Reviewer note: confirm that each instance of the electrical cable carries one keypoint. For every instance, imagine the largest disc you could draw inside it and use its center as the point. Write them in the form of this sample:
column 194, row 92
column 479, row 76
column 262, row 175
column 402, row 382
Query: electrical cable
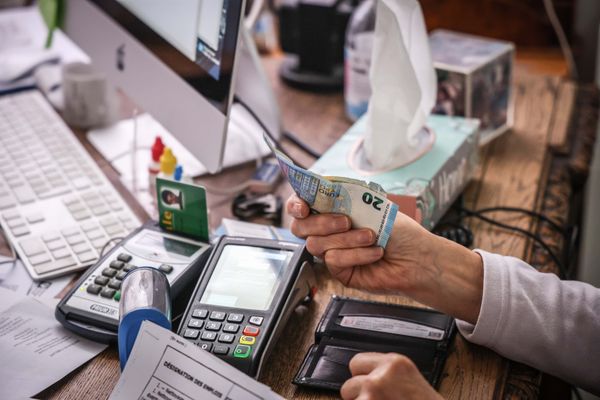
column 541, row 217
column 562, row 272
column 301, row 145
column 576, row 393
column 108, row 242
column 562, row 38
column 267, row 131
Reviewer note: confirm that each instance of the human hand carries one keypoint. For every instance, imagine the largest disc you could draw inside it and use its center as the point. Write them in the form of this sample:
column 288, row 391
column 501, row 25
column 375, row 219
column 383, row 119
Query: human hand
column 386, row 376
column 417, row 263
column 351, row 257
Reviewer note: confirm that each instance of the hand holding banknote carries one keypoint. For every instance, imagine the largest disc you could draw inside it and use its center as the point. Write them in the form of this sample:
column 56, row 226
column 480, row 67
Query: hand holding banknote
column 365, row 203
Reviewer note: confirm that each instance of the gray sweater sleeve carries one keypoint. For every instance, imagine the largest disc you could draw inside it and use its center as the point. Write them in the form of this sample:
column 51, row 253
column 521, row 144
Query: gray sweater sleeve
column 539, row 320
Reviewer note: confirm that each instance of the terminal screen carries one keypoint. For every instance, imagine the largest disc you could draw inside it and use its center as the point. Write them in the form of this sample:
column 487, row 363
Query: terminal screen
column 195, row 27
column 246, row 277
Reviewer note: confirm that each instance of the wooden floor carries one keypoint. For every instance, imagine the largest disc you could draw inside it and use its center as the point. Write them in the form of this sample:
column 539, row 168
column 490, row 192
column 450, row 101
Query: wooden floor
column 512, row 173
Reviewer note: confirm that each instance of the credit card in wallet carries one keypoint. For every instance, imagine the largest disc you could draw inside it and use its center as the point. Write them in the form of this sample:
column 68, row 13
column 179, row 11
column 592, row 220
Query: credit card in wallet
column 393, row 326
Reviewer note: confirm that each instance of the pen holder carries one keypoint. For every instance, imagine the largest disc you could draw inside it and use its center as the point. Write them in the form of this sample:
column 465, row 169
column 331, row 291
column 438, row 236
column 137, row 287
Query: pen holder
column 145, row 296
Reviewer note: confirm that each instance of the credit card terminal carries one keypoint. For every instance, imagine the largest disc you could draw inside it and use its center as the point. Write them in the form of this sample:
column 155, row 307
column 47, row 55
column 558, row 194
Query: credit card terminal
column 91, row 308
column 246, row 293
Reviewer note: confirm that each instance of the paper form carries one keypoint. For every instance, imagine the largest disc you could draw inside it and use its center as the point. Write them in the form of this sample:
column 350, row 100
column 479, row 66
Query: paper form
column 35, row 350
column 165, row 366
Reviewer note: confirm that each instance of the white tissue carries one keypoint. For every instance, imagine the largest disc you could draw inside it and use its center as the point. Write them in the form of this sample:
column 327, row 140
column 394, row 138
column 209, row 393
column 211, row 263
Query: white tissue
column 404, row 87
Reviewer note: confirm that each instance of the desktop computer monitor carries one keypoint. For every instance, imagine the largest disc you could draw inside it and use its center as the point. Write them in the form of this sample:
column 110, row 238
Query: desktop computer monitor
column 175, row 59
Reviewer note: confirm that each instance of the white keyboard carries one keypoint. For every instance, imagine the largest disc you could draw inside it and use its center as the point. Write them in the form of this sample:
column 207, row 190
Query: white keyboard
column 56, row 206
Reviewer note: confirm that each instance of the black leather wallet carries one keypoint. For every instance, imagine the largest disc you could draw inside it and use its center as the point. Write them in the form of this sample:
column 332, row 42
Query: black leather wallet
column 351, row 326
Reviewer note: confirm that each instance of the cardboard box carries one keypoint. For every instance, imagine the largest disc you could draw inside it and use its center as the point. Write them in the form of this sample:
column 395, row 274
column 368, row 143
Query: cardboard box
column 426, row 188
column 474, row 80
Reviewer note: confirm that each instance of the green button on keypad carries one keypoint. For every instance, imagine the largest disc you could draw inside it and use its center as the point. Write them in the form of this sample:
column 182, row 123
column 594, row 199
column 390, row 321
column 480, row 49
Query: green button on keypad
column 242, row 351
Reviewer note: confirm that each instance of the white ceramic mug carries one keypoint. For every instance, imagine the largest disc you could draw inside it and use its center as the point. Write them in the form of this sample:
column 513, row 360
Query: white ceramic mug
column 89, row 101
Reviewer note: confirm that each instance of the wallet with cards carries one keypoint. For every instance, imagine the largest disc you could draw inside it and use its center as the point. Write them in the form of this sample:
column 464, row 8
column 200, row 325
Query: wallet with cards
column 351, row 326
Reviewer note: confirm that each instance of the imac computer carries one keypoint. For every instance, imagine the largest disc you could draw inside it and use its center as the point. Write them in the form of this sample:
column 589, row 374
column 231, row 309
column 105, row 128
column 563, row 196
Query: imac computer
column 183, row 62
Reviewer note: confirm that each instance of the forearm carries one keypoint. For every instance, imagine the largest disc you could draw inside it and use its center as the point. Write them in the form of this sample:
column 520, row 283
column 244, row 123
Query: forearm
column 453, row 279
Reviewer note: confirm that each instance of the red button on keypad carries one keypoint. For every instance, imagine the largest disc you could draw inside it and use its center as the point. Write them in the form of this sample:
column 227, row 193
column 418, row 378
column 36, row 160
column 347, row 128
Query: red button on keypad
column 251, row 331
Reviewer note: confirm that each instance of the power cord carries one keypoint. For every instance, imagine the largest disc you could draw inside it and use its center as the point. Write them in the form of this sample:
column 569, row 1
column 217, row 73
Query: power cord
column 288, row 135
column 563, row 273
column 562, row 38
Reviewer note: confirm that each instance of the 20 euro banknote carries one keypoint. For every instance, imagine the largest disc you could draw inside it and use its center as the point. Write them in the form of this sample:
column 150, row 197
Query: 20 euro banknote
column 365, row 203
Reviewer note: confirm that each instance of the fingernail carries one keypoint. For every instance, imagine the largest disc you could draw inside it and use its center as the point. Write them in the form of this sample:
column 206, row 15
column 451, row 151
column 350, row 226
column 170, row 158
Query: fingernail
column 297, row 210
column 342, row 223
column 366, row 237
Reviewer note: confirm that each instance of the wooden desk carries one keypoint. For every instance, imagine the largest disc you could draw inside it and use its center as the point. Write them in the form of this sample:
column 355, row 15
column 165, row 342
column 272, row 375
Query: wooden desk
column 513, row 173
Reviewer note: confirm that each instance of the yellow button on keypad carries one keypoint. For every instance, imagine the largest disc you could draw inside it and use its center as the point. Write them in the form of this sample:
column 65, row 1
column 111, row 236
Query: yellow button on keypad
column 249, row 340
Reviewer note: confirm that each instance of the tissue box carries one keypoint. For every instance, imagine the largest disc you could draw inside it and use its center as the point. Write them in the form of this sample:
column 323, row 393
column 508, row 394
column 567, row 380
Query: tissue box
column 426, row 188
column 474, row 80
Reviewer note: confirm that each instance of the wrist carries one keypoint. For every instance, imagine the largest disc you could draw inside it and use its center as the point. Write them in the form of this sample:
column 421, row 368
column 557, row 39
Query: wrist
column 453, row 279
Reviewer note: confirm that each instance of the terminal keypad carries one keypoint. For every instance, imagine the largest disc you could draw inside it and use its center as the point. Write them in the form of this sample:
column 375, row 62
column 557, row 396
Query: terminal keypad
column 222, row 333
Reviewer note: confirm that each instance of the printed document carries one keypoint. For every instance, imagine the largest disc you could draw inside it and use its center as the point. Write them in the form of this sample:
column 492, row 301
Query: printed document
column 35, row 350
column 165, row 366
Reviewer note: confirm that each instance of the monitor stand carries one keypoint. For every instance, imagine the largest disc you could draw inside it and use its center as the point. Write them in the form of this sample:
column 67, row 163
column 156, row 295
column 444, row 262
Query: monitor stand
column 244, row 139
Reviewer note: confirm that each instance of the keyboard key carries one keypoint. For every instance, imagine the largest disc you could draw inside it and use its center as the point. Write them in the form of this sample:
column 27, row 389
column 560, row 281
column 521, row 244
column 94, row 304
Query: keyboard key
column 81, row 215
column 98, row 244
column 109, row 272
column 64, row 262
column 205, row 346
column 249, row 340
column 39, row 259
column 61, row 253
column 20, row 230
column 121, row 275
column 221, row 349
column 86, row 256
column 32, row 247
column 11, row 215
column 89, row 225
column 13, row 223
column 6, row 201
column 217, row 316
column 108, row 293
column 251, row 331
column 70, row 231
column 113, row 230
column 35, row 218
column 24, row 194
column 75, row 239
column 167, row 269
column 226, row 338
column 256, row 320
column 108, row 221
column 210, row 336
column 101, row 280
column 213, row 326
column 93, row 289
column 80, row 247
column 50, row 236
column 100, row 210
column 94, row 234
column 124, row 257
column 231, row 328
column 56, row 244
column 114, row 284
column 237, row 318
column 195, row 323
column 200, row 313
column 242, row 351
column 117, row 296
column 116, row 264
column 191, row 333
column 128, row 267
